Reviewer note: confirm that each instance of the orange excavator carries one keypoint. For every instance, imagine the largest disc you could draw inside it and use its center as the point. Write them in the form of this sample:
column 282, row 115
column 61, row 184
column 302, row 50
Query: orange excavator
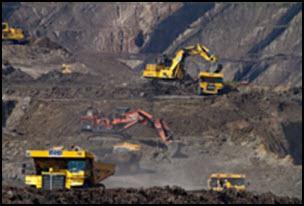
column 123, row 119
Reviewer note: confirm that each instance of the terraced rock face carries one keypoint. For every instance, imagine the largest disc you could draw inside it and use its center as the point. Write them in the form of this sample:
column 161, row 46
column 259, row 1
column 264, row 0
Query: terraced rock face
column 259, row 42
column 102, row 27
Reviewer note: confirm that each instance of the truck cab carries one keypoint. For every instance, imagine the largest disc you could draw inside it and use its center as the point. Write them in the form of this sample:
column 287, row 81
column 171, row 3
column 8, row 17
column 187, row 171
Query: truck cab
column 59, row 169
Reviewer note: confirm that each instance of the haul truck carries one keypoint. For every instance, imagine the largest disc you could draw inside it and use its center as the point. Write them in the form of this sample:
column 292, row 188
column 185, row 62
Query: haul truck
column 59, row 169
column 211, row 83
column 226, row 181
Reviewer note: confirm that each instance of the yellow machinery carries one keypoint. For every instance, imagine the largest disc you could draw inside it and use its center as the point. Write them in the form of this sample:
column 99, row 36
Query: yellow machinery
column 12, row 34
column 58, row 168
column 128, row 146
column 173, row 68
column 226, row 181
column 126, row 157
column 210, row 83
column 66, row 69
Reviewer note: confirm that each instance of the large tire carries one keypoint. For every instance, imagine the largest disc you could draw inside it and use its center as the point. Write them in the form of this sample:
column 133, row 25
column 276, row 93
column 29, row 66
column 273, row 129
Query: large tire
column 86, row 185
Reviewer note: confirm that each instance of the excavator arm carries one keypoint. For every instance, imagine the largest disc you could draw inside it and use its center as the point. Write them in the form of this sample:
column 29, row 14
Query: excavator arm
column 91, row 121
column 140, row 116
column 202, row 51
column 129, row 119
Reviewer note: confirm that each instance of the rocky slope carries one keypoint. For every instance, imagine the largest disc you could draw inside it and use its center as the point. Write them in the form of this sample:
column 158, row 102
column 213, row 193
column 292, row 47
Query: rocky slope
column 259, row 42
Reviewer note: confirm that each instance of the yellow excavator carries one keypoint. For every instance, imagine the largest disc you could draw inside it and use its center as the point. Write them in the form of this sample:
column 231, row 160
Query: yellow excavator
column 173, row 69
column 58, row 168
column 11, row 34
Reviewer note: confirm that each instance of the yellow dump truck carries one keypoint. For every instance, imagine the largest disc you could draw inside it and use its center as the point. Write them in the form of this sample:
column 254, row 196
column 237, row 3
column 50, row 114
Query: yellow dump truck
column 126, row 157
column 226, row 181
column 12, row 34
column 210, row 83
column 59, row 168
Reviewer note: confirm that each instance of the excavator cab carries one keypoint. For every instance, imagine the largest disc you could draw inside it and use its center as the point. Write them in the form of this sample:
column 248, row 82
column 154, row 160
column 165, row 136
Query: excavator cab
column 166, row 61
column 226, row 181
column 168, row 69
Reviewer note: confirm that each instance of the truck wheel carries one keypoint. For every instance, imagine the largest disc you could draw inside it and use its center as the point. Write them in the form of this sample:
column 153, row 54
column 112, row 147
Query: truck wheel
column 101, row 187
column 86, row 185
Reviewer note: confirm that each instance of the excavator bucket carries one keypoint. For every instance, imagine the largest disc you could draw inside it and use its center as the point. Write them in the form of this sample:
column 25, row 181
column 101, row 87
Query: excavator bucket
column 102, row 171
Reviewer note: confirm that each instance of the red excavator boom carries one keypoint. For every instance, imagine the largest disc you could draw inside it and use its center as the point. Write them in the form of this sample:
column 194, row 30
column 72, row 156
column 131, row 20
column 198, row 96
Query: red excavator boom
column 93, row 121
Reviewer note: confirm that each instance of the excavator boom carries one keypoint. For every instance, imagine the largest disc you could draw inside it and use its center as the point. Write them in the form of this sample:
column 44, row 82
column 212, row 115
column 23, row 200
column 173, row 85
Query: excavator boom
column 127, row 120
column 99, row 123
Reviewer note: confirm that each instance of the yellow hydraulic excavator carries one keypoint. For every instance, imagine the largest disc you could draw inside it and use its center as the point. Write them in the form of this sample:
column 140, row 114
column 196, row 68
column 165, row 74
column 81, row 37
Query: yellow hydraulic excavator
column 12, row 34
column 173, row 69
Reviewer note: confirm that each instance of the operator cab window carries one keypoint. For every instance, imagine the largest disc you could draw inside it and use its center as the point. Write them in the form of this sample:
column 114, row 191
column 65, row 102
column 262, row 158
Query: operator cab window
column 237, row 181
column 212, row 80
column 76, row 165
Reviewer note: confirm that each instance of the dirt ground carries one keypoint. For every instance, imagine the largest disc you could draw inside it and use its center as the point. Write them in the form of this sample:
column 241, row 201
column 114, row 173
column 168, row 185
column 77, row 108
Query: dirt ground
column 154, row 195
column 256, row 131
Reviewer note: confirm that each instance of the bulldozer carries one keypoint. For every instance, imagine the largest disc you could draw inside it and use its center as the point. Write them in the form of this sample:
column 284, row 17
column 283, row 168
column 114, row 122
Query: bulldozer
column 173, row 69
column 226, row 181
column 58, row 168
column 10, row 34
column 124, row 118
